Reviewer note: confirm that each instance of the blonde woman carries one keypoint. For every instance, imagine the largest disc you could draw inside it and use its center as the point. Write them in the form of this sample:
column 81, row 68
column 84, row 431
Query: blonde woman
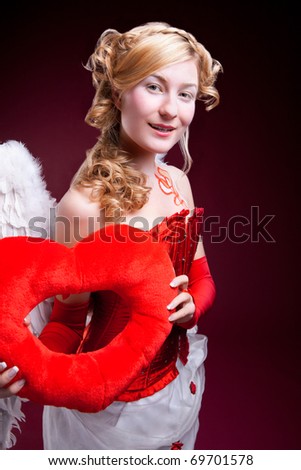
column 147, row 82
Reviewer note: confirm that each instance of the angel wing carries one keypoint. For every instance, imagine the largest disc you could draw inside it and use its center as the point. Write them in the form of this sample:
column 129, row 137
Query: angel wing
column 26, row 208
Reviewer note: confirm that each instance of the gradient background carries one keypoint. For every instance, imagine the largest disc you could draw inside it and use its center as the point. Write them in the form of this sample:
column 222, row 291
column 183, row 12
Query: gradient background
column 245, row 154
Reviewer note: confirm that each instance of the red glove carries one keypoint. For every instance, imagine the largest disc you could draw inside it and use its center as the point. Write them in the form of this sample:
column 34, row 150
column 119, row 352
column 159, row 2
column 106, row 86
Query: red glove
column 64, row 331
column 202, row 288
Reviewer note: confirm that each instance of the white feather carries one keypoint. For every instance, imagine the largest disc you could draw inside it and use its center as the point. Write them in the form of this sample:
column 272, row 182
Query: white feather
column 10, row 417
column 24, row 197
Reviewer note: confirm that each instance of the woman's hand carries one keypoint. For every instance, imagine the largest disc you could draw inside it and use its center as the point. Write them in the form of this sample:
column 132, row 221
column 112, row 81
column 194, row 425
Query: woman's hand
column 6, row 375
column 183, row 302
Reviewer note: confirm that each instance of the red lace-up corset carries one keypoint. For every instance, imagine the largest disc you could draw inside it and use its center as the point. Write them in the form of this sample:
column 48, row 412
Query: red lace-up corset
column 111, row 314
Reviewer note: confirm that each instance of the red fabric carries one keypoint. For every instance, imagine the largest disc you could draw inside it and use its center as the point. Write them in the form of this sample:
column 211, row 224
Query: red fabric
column 66, row 325
column 202, row 288
column 41, row 269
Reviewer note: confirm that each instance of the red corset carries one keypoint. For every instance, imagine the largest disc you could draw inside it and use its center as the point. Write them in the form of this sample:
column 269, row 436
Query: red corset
column 111, row 313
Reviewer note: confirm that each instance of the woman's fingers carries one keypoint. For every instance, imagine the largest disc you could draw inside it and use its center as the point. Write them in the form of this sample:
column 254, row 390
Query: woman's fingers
column 183, row 302
column 12, row 390
column 27, row 320
column 185, row 313
column 180, row 281
column 5, row 377
column 179, row 299
column 29, row 325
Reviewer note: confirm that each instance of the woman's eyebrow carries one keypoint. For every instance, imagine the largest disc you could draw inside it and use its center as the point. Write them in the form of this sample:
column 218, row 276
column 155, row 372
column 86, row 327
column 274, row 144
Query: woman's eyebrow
column 163, row 79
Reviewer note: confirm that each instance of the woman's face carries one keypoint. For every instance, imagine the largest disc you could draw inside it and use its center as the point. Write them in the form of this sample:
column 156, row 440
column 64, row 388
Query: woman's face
column 156, row 112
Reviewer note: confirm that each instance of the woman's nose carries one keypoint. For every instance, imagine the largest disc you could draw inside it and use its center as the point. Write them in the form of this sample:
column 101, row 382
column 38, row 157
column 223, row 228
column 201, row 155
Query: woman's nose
column 169, row 107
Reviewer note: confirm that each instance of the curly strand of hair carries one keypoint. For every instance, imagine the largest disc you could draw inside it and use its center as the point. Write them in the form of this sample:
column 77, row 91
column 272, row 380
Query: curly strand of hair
column 116, row 184
column 208, row 92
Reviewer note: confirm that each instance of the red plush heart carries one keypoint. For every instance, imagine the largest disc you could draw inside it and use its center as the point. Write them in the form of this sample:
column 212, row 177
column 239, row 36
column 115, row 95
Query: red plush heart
column 119, row 258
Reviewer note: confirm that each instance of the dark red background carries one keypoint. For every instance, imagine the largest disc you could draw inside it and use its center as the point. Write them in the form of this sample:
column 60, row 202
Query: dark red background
column 245, row 154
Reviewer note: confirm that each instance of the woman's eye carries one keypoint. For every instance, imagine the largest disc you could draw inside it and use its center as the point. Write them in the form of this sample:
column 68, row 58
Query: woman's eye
column 187, row 96
column 153, row 87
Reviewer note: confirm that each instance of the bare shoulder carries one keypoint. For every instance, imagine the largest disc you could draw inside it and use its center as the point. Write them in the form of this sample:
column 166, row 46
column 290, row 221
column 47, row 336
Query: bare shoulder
column 76, row 202
column 76, row 216
column 182, row 183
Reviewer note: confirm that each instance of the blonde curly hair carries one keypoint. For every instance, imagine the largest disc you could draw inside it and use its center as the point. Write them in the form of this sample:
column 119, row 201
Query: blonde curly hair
column 119, row 62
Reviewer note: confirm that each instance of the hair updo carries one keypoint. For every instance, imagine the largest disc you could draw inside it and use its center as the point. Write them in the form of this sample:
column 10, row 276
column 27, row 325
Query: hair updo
column 119, row 62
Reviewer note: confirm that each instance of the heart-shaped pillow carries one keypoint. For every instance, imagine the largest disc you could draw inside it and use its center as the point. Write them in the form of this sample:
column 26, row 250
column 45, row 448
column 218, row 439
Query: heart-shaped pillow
column 118, row 257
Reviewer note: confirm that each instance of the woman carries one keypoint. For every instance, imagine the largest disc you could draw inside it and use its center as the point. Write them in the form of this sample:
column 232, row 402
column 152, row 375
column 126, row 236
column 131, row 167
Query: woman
column 147, row 81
